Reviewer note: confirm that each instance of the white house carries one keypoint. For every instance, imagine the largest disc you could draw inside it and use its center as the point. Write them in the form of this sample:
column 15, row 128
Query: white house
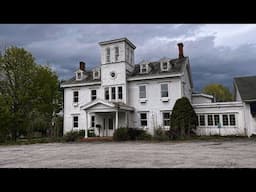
column 120, row 93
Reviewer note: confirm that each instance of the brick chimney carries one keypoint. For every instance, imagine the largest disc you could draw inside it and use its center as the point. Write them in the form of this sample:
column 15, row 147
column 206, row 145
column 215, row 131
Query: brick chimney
column 180, row 45
column 82, row 65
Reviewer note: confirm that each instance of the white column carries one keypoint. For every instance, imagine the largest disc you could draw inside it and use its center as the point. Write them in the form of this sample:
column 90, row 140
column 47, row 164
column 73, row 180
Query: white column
column 86, row 124
column 116, row 119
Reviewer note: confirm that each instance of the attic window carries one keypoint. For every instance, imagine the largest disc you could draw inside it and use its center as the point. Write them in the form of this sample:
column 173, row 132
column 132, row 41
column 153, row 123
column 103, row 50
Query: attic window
column 143, row 68
column 79, row 75
column 96, row 74
column 164, row 66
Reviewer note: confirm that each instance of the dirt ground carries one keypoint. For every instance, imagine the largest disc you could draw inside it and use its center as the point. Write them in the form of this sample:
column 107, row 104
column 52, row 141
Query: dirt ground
column 183, row 154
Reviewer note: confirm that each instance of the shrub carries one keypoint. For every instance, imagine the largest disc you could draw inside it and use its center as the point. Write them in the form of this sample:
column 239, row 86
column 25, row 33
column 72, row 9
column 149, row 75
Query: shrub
column 121, row 134
column 81, row 133
column 161, row 135
column 72, row 136
column 91, row 133
column 183, row 119
column 144, row 136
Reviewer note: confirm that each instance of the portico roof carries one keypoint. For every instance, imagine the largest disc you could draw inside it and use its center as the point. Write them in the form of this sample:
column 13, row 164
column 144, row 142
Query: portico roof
column 106, row 105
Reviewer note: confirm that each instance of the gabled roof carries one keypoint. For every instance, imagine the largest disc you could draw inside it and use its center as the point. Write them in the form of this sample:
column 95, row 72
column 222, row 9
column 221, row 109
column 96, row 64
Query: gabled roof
column 246, row 87
column 112, row 105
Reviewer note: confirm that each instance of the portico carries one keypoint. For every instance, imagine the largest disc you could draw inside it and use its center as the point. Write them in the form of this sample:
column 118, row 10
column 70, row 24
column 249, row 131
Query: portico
column 104, row 117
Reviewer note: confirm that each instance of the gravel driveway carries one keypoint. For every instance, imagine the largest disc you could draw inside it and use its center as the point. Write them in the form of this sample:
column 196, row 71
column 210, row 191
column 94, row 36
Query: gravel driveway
column 185, row 154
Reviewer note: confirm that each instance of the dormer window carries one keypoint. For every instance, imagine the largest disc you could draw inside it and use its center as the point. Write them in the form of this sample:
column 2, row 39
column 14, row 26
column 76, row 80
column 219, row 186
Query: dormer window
column 108, row 55
column 96, row 74
column 143, row 68
column 164, row 66
column 79, row 75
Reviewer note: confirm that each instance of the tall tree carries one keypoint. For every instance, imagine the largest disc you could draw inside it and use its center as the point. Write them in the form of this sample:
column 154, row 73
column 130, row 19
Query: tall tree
column 47, row 94
column 32, row 91
column 220, row 92
column 17, row 67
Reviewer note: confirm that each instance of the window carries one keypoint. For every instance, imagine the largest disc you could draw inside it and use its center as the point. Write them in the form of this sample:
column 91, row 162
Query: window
column 210, row 120
column 201, row 120
column 143, row 119
column 92, row 121
column 116, row 53
column 78, row 75
column 166, row 118
column 75, row 121
column 113, row 93
column 96, row 74
column 120, row 92
column 75, row 96
column 142, row 90
column 107, row 93
column 112, row 74
column 144, row 68
column 225, row 119
column 93, row 94
column 216, row 119
column 164, row 90
column 108, row 55
column 128, row 56
column 232, row 119
column 165, row 66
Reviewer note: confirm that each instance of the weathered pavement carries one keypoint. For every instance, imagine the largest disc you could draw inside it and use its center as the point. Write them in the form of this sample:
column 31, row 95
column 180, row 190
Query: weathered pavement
column 186, row 154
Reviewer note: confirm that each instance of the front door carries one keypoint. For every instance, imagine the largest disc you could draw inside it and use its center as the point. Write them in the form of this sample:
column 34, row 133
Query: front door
column 108, row 126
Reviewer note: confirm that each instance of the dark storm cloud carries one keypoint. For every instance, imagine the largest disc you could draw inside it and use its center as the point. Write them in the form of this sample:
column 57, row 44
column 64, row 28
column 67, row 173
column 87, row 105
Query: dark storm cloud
column 64, row 45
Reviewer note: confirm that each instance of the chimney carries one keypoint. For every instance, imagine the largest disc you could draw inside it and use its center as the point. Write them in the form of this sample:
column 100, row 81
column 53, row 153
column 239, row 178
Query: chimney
column 180, row 45
column 82, row 65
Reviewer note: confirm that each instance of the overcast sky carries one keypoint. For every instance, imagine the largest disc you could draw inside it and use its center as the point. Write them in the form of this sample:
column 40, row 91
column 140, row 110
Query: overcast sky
column 217, row 52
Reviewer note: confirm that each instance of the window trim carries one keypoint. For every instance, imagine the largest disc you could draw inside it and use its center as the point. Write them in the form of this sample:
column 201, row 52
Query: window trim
column 220, row 124
column 162, row 91
column 117, row 53
column 93, row 95
column 120, row 92
column 75, row 97
column 140, row 92
column 144, row 66
column 75, row 121
column 144, row 126
column 167, row 66
column 113, row 93
column 163, row 120
column 108, row 54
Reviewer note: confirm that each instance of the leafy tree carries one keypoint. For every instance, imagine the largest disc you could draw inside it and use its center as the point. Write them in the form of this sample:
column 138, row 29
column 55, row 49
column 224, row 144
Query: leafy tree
column 32, row 92
column 183, row 119
column 220, row 92
column 4, row 120
column 47, row 95
column 17, row 66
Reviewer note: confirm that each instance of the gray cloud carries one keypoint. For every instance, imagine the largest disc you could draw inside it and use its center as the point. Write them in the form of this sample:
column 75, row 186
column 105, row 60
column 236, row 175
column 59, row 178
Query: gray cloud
column 64, row 45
